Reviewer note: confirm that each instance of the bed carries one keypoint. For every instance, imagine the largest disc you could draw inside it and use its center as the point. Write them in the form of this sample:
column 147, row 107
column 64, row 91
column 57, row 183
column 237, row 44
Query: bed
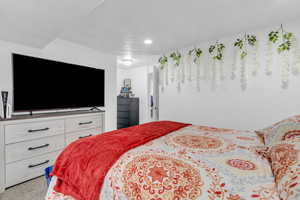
column 204, row 163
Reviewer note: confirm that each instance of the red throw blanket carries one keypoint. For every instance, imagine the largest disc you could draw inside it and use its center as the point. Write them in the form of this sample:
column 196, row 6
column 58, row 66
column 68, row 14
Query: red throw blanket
column 81, row 168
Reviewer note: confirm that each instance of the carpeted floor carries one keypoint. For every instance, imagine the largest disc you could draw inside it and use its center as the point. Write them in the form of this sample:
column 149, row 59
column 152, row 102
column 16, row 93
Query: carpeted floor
column 32, row 190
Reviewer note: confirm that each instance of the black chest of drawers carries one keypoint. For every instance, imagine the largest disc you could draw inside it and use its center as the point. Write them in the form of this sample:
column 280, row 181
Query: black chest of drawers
column 128, row 112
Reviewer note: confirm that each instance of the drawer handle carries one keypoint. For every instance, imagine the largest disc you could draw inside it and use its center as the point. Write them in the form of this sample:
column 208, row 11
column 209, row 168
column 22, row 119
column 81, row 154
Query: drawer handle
column 38, row 130
column 39, row 147
column 84, row 123
column 36, row 165
column 85, row 136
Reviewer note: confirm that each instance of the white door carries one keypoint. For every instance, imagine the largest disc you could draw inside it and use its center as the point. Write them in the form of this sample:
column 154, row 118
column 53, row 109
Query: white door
column 153, row 94
column 156, row 92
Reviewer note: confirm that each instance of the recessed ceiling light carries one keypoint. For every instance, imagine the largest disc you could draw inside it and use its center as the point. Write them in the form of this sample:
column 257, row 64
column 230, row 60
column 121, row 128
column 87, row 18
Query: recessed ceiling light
column 148, row 41
column 127, row 62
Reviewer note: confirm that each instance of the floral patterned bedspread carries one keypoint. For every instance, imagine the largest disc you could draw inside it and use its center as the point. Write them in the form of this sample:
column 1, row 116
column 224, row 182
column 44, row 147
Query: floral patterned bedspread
column 193, row 163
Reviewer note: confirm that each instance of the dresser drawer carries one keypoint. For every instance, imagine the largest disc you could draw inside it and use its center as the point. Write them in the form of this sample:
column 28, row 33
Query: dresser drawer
column 123, row 121
column 125, row 101
column 123, row 114
column 123, row 107
column 29, row 149
column 21, row 171
column 83, row 123
column 33, row 130
column 119, row 126
column 82, row 134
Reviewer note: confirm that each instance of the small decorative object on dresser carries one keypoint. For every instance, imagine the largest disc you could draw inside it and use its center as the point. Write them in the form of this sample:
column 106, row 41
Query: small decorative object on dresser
column 128, row 112
column 127, row 83
column 4, row 95
column 126, row 89
column 29, row 144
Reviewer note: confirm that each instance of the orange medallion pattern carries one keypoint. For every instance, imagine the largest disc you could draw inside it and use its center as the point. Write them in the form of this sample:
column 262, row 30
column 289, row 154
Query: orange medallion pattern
column 214, row 129
column 291, row 134
column 241, row 164
column 196, row 163
column 161, row 177
column 198, row 142
column 245, row 138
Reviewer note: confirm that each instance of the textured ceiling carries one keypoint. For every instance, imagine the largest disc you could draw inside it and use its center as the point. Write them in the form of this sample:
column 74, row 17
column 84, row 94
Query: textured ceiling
column 38, row 22
column 119, row 27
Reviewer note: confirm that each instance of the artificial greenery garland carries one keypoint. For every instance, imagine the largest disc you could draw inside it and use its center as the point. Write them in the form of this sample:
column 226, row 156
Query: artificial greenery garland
column 217, row 51
column 190, row 52
column 285, row 43
column 176, row 56
column 286, row 39
column 163, row 61
column 189, row 63
column 241, row 44
column 246, row 47
column 217, row 54
column 197, row 54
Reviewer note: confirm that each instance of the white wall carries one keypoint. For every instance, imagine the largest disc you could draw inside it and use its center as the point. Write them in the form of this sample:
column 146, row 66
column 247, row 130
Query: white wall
column 65, row 51
column 138, row 76
column 263, row 103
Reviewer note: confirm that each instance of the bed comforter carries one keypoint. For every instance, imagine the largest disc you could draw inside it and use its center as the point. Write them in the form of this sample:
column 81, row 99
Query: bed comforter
column 192, row 163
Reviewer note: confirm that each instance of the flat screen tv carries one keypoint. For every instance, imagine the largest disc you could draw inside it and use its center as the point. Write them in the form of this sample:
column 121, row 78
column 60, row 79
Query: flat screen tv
column 41, row 84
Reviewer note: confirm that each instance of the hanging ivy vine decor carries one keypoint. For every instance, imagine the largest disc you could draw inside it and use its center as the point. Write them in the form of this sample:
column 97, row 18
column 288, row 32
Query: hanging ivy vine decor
column 190, row 55
column 164, row 74
column 163, row 61
column 217, row 55
column 195, row 56
column 295, row 51
column 198, row 53
column 217, row 51
column 242, row 43
column 190, row 52
column 243, row 47
column 285, row 42
column 176, row 56
column 180, row 67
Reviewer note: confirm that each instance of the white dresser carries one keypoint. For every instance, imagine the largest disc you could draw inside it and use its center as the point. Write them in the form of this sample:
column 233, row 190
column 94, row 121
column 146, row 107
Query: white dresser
column 29, row 144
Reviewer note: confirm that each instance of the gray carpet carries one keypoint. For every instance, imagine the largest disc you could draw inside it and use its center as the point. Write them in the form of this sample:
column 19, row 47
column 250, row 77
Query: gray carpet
column 32, row 190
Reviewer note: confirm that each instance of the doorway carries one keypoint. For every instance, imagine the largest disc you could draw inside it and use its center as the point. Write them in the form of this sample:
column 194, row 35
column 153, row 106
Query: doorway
column 153, row 93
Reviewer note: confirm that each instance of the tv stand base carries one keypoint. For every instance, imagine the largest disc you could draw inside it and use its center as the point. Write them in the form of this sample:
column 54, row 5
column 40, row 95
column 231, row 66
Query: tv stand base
column 95, row 108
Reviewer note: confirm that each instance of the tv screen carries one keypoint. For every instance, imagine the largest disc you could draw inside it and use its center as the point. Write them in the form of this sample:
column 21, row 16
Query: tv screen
column 40, row 84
